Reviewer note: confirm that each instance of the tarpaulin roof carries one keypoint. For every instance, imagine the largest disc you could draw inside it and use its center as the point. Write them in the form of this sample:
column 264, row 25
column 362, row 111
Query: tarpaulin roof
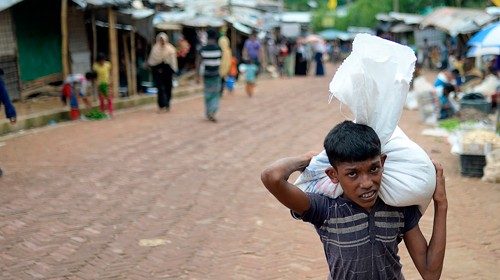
column 173, row 16
column 332, row 34
column 138, row 13
column 298, row 17
column 5, row 4
column 204, row 21
column 407, row 18
column 403, row 17
column 457, row 21
column 401, row 28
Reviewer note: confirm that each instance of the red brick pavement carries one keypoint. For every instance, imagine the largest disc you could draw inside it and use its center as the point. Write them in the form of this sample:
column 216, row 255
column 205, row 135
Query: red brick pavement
column 77, row 199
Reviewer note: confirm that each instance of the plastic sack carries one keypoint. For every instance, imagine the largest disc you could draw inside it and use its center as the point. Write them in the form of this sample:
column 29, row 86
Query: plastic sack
column 373, row 82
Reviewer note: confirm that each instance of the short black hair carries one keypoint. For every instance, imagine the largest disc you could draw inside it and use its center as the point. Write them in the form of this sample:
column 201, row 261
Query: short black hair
column 447, row 88
column 351, row 142
column 100, row 56
column 212, row 34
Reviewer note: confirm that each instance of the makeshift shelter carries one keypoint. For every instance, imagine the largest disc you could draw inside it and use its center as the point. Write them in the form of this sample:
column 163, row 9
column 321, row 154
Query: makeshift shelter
column 43, row 41
column 455, row 21
column 8, row 52
column 295, row 24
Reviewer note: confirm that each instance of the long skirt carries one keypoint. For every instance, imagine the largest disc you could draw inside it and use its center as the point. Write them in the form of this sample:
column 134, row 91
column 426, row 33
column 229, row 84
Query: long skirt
column 300, row 65
column 212, row 95
column 320, row 71
column 162, row 76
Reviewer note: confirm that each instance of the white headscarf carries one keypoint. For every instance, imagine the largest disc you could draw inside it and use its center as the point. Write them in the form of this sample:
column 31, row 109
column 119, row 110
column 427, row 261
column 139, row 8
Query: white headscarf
column 165, row 53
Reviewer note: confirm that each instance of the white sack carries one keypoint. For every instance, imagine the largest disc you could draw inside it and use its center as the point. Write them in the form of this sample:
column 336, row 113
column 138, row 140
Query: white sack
column 373, row 82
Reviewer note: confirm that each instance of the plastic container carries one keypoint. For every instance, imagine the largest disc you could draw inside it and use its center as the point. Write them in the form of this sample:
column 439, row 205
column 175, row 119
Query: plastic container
column 475, row 101
column 472, row 165
column 74, row 114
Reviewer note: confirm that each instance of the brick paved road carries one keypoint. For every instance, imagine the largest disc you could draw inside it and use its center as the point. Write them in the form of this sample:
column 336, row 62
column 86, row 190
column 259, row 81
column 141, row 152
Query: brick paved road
column 77, row 200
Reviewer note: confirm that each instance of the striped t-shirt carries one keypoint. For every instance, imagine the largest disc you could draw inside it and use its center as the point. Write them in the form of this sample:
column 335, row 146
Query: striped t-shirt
column 210, row 60
column 358, row 244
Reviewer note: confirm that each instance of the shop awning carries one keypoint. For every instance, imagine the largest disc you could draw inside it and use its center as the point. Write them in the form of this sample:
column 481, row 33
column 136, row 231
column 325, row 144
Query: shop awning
column 456, row 21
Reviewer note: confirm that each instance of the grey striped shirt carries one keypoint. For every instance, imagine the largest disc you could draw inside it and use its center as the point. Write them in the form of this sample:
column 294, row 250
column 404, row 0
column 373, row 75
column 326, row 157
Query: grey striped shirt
column 358, row 244
column 211, row 56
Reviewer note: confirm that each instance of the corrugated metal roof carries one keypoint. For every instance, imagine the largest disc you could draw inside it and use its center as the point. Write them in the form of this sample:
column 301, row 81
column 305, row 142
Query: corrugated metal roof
column 457, row 21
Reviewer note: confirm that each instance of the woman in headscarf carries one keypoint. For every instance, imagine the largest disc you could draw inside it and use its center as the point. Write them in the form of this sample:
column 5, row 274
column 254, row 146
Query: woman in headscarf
column 163, row 62
column 225, row 63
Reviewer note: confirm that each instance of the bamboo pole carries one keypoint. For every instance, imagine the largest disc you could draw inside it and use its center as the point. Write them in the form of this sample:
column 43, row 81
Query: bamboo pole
column 233, row 40
column 133, row 62
column 113, row 51
column 128, row 69
column 94, row 37
column 64, row 39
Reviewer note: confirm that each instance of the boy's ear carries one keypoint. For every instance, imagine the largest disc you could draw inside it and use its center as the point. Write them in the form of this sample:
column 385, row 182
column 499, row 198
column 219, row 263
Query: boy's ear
column 332, row 173
column 383, row 157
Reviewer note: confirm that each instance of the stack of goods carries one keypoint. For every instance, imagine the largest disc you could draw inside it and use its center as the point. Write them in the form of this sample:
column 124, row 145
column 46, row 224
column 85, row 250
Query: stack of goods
column 475, row 144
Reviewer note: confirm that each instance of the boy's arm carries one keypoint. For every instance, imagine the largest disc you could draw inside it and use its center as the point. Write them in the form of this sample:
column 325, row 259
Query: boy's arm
column 429, row 259
column 275, row 179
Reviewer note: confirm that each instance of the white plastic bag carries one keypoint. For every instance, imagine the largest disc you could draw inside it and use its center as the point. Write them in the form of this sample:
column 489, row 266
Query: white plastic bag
column 373, row 82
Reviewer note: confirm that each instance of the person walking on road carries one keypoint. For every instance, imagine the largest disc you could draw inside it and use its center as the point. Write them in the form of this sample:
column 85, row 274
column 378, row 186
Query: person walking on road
column 208, row 64
column 319, row 49
column 252, row 49
column 163, row 62
column 10, row 111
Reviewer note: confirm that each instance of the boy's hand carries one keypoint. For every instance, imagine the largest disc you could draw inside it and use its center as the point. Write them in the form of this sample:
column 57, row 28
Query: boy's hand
column 307, row 158
column 440, row 191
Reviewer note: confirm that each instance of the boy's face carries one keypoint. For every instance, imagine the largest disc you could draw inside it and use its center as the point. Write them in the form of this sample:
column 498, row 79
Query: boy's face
column 360, row 180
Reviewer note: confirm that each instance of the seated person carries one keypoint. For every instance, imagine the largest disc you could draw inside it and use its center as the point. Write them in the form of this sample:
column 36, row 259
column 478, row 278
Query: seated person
column 446, row 109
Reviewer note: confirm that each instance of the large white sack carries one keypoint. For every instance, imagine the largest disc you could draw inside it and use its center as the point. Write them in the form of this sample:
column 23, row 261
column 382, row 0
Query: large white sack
column 373, row 82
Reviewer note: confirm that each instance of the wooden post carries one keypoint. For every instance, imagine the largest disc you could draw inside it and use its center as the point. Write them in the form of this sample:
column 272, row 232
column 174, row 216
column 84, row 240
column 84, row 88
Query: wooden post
column 133, row 62
column 128, row 69
column 64, row 39
column 233, row 40
column 113, row 52
column 94, row 37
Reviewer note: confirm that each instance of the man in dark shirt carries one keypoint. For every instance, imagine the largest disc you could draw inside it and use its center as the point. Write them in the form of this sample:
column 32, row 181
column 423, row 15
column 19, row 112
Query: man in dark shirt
column 359, row 232
column 209, row 60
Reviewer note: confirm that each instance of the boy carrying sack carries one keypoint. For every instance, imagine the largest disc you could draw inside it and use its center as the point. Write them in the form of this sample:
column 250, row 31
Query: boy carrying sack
column 358, row 200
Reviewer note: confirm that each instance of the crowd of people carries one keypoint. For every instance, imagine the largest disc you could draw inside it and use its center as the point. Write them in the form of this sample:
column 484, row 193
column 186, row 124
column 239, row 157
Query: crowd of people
column 457, row 77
